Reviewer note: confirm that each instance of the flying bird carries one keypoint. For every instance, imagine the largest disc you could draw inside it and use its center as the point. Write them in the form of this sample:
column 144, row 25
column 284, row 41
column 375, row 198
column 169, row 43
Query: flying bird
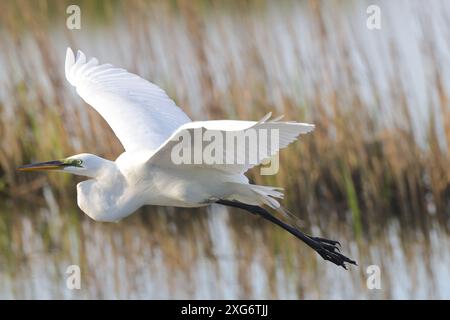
column 147, row 121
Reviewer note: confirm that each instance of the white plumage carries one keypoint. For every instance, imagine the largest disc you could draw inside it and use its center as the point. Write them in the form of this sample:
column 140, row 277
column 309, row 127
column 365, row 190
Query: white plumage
column 146, row 121
column 140, row 113
column 148, row 124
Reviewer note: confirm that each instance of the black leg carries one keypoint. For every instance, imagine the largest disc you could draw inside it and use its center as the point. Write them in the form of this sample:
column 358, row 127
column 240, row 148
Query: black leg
column 327, row 249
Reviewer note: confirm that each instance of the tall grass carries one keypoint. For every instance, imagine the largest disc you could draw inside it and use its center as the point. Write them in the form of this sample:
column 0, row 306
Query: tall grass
column 370, row 158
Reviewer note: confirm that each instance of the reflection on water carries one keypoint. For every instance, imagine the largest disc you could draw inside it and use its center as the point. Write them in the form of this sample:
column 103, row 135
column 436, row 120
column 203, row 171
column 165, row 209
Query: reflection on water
column 164, row 253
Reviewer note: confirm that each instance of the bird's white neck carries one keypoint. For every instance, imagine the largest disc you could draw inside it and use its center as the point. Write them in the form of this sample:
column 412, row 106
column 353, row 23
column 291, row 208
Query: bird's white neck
column 106, row 197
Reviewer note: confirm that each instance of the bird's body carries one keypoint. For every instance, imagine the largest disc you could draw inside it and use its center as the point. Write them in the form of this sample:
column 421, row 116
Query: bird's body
column 123, row 186
column 150, row 125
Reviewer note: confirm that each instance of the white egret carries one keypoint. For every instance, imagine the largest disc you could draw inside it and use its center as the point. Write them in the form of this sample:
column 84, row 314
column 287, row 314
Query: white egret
column 145, row 120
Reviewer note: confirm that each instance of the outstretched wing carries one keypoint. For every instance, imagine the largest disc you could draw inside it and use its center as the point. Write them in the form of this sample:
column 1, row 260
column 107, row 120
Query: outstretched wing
column 140, row 113
column 241, row 159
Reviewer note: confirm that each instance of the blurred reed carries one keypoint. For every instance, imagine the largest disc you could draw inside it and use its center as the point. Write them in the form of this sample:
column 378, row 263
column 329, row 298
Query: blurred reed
column 239, row 59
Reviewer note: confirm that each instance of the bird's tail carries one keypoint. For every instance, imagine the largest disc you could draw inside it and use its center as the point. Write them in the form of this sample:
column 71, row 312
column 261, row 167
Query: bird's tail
column 256, row 195
column 259, row 195
column 267, row 195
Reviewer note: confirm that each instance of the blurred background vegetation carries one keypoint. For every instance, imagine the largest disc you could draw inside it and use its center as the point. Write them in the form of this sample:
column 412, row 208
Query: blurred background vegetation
column 374, row 174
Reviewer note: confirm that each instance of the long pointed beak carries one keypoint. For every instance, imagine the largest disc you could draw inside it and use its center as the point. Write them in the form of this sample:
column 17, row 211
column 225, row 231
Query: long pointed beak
column 41, row 166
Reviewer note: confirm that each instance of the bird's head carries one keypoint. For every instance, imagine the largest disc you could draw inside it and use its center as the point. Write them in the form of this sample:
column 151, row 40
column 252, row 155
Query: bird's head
column 83, row 164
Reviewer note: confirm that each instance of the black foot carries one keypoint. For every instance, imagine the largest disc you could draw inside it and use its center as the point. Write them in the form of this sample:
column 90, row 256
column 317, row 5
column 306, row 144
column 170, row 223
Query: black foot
column 329, row 250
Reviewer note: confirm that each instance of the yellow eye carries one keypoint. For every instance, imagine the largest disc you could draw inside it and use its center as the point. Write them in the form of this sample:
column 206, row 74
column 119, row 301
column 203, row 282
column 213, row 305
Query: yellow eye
column 74, row 162
column 77, row 162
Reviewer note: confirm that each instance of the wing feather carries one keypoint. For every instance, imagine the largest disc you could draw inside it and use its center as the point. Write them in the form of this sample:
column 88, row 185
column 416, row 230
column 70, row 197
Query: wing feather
column 140, row 113
column 287, row 133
